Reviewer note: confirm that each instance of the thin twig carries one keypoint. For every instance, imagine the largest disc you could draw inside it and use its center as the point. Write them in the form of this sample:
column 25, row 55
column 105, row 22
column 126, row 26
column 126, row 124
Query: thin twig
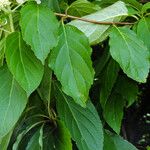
column 93, row 21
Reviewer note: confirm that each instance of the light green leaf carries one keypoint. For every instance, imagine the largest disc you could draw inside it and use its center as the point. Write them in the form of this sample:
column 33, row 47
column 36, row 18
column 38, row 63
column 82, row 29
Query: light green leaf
column 13, row 100
column 108, row 79
column 25, row 67
column 130, row 52
column 145, row 7
column 72, row 64
column 35, row 18
column 83, row 123
column 97, row 33
column 116, row 142
column 81, row 8
column 143, row 31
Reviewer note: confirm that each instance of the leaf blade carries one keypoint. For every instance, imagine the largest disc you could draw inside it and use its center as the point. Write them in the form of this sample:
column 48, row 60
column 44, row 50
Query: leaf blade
column 25, row 67
column 84, row 124
column 13, row 99
column 72, row 64
column 98, row 33
column 35, row 18
column 131, row 54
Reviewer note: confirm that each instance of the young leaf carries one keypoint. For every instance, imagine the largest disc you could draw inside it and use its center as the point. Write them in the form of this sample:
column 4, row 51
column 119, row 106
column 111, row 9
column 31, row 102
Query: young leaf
column 130, row 52
column 143, row 31
column 25, row 67
column 116, row 142
column 83, row 123
column 39, row 28
column 13, row 100
column 81, row 8
column 72, row 64
column 108, row 79
column 145, row 7
column 97, row 33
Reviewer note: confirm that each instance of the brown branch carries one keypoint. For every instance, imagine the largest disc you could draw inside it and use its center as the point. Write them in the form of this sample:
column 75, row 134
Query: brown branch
column 93, row 21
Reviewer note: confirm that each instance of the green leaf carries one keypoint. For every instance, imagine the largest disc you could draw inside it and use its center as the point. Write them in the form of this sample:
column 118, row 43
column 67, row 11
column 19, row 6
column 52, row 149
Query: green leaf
column 145, row 7
column 72, row 64
column 124, row 91
column 128, row 89
column 2, row 43
column 101, row 62
column 113, row 111
column 13, row 100
column 116, row 142
column 133, row 3
column 45, row 86
column 95, row 32
column 81, row 8
column 143, row 31
column 58, row 139
column 25, row 67
column 35, row 18
column 83, row 123
column 34, row 142
column 130, row 52
column 62, row 137
column 5, row 141
column 52, row 4
column 108, row 79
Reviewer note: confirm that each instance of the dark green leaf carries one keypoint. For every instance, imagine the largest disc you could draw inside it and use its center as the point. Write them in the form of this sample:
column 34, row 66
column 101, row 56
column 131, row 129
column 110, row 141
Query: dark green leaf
column 72, row 64
column 45, row 86
column 128, row 89
column 108, row 79
column 116, row 142
column 113, row 111
column 101, row 62
column 62, row 137
column 130, row 52
column 83, row 123
column 13, row 100
column 25, row 67
column 35, row 18
column 124, row 91
column 58, row 139
column 34, row 142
